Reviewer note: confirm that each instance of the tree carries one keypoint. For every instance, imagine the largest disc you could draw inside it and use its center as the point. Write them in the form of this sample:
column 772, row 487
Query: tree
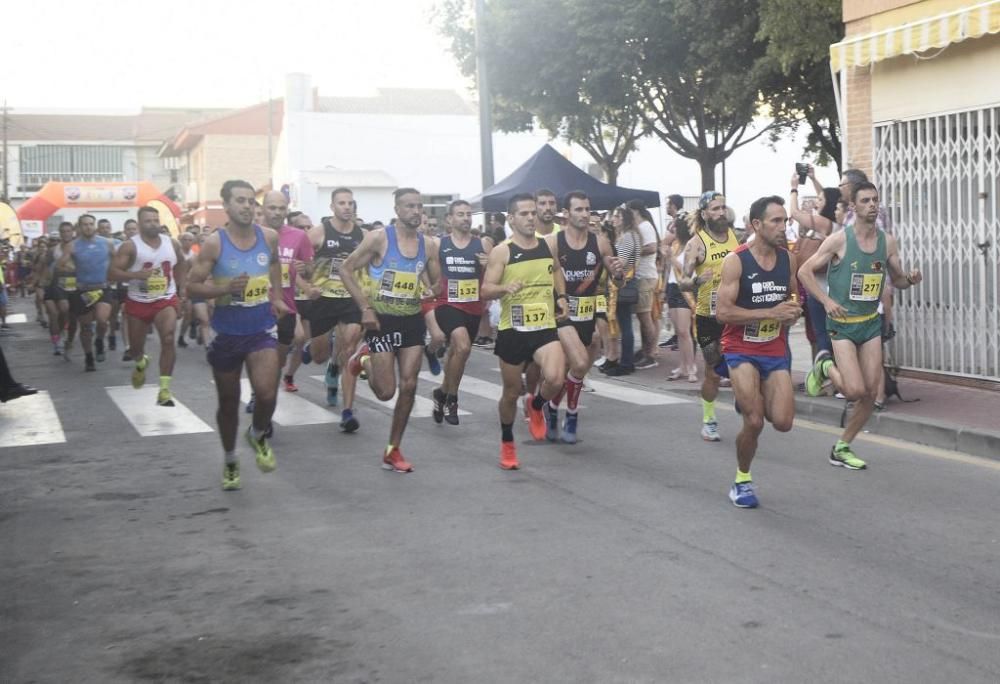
column 542, row 70
column 698, row 74
column 798, row 34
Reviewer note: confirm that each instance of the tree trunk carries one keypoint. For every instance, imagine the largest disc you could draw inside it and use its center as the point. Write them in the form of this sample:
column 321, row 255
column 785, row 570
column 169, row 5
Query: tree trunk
column 611, row 174
column 707, row 173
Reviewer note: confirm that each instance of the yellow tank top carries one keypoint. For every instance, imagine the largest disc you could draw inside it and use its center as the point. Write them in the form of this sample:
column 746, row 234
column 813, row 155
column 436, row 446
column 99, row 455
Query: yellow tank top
column 533, row 307
column 715, row 252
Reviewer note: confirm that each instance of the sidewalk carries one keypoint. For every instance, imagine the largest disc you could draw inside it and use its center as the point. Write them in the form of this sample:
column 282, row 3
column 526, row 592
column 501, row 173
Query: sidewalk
column 945, row 416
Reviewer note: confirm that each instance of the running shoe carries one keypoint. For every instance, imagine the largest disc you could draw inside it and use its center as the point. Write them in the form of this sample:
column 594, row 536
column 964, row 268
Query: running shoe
column 551, row 423
column 99, row 348
column 646, row 362
column 432, row 362
column 599, row 363
column 127, row 356
column 568, row 435
column 56, row 351
column 139, row 374
column 354, row 364
column 181, row 342
column 508, row 456
column 842, row 456
column 742, row 495
column 112, row 343
column 710, row 431
column 263, row 451
column 163, row 398
column 306, row 354
column 618, row 371
column 290, row 385
column 348, row 423
column 536, row 423
column 672, row 342
column 230, row 477
column 251, row 404
column 394, row 461
column 451, row 416
column 816, row 377
column 587, row 387
column 437, row 412
column 88, row 364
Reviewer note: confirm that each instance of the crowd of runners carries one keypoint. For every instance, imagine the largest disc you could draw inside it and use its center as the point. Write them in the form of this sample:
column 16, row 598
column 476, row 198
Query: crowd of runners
column 269, row 291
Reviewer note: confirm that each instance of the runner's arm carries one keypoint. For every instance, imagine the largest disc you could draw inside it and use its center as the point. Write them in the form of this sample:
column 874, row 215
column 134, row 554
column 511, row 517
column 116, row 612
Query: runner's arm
column 558, row 279
column 900, row 278
column 122, row 261
column 495, row 263
column 180, row 270
column 370, row 247
column 830, row 248
column 694, row 254
column 202, row 269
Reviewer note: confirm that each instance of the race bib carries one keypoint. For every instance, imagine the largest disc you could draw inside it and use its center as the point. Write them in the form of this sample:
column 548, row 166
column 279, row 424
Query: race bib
column 529, row 317
column 761, row 331
column 67, row 283
column 286, row 275
column 463, row 290
column 398, row 285
column 581, row 308
column 156, row 284
column 255, row 291
column 329, row 280
column 866, row 287
column 601, row 304
column 713, row 301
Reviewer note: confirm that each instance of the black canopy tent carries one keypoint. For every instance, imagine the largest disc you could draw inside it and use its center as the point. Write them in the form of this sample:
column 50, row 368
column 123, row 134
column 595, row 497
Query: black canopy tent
column 549, row 169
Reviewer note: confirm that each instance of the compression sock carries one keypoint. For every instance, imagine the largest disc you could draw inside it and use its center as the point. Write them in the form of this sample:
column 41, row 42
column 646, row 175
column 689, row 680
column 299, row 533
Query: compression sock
column 707, row 411
column 573, row 387
column 742, row 477
column 164, row 382
column 506, row 432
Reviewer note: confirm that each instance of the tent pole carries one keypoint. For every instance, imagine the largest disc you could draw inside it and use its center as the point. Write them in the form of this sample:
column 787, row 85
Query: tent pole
column 485, row 106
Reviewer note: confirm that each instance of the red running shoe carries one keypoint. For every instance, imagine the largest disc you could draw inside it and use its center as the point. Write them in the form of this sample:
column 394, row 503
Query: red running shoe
column 536, row 422
column 290, row 386
column 394, row 461
column 508, row 456
column 354, row 363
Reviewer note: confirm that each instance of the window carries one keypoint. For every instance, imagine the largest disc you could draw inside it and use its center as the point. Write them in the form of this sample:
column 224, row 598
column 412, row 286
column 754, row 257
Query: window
column 42, row 163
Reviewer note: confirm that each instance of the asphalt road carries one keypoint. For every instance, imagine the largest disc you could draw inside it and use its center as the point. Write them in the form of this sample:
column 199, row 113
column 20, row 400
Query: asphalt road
column 619, row 559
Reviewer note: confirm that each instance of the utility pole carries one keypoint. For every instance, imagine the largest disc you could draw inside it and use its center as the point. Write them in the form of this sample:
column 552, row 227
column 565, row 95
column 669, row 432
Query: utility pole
column 3, row 192
column 485, row 105
column 270, row 161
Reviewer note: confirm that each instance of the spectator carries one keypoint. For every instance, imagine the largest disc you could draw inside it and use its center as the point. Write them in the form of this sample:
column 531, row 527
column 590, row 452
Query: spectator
column 648, row 275
column 681, row 303
column 627, row 248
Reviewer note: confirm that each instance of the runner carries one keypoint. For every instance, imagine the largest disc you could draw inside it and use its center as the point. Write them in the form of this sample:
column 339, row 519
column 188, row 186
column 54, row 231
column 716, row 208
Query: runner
column 242, row 259
column 62, row 277
column 390, row 312
column 582, row 256
column 116, row 291
column 458, row 307
column 858, row 258
column 186, row 240
column 703, row 256
column 294, row 250
column 130, row 229
column 757, row 304
column 303, row 223
column 154, row 267
column 90, row 255
column 331, row 307
column 521, row 273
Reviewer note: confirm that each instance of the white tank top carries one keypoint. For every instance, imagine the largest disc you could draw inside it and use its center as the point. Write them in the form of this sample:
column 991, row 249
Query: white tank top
column 162, row 260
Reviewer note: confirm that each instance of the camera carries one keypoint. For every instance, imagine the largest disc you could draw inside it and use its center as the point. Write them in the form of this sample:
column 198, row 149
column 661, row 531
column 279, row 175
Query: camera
column 803, row 170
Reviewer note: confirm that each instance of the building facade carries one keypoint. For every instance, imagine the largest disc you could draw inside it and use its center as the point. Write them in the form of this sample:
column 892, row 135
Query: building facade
column 920, row 104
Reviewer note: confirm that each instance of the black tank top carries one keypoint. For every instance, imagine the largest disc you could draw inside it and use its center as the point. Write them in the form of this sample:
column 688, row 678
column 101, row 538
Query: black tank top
column 337, row 245
column 581, row 267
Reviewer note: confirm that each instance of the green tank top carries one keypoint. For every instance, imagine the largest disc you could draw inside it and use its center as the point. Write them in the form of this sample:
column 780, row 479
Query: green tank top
column 856, row 281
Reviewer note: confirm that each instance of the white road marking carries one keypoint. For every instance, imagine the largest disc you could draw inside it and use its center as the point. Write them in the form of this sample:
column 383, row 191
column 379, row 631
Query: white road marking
column 148, row 419
column 293, row 410
column 632, row 395
column 471, row 385
column 30, row 421
column 17, row 318
column 422, row 406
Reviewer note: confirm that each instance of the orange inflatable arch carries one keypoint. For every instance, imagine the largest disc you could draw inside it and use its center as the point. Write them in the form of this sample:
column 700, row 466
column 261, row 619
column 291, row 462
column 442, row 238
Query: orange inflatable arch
column 54, row 196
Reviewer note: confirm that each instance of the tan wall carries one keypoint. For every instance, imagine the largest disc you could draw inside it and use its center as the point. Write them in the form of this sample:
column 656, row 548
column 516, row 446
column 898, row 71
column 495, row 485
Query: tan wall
column 232, row 156
column 961, row 77
column 858, row 103
column 859, row 9
column 888, row 13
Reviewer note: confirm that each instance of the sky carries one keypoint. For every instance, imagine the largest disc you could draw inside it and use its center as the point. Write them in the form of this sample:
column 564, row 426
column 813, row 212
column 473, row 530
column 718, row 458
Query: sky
column 115, row 55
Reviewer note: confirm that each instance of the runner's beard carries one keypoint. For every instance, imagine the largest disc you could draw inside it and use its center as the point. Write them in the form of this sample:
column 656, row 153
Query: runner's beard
column 719, row 225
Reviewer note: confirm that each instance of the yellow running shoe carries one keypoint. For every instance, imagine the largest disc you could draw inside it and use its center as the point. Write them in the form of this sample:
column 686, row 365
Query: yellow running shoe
column 264, row 452
column 230, row 477
column 139, row 374
column 164, row 398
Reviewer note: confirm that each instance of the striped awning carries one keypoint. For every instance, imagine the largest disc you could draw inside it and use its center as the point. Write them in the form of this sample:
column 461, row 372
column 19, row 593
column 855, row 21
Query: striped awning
column 918, row 36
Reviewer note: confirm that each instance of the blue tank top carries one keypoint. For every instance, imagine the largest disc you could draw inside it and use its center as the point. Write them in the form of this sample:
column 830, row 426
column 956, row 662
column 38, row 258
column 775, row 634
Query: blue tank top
column 250, row 312
column 394, row 285
column 92, row 260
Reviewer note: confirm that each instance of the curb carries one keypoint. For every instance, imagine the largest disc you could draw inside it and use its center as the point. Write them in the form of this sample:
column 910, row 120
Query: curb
column 926, row 431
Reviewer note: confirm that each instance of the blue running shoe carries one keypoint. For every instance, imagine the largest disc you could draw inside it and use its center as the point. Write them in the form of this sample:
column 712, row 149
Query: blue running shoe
column 433, row 364
column 251, row 404
column 348, row 423
column 551, row 423
column 742, row 496
column 307, row 356
column 569, row 428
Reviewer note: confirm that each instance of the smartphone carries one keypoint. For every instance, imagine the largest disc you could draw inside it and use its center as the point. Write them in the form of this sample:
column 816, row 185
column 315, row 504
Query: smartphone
column 803, row 170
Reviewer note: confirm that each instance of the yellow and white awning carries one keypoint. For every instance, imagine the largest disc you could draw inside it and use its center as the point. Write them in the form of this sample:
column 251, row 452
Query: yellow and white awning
column 918, row 36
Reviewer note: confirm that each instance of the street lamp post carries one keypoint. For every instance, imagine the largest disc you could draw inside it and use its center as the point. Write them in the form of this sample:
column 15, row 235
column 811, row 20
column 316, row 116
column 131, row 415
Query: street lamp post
column 485, row 108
